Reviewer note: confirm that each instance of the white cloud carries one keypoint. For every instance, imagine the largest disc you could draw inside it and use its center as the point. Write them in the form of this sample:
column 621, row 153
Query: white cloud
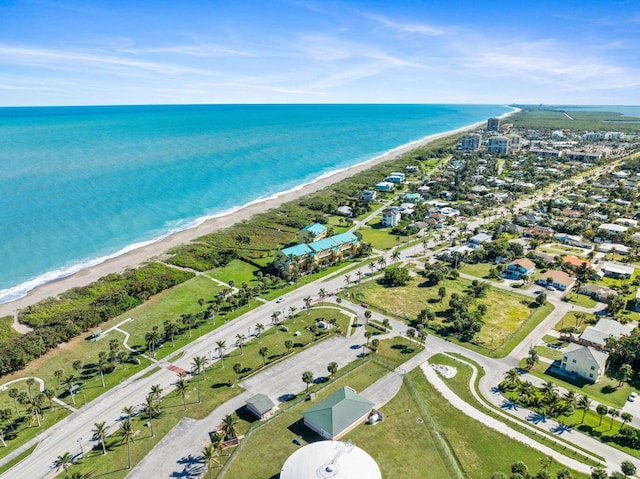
column 408, row 28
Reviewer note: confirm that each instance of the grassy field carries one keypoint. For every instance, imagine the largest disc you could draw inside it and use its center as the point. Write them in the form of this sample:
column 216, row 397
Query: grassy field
column 506, row 311
column 479, row 270
column 582, row 120
column 237, row 270
column 549, row 353
column 581, row 300
column 6, row 330
column 569, row 321
column 481, row 450
column 378, row 236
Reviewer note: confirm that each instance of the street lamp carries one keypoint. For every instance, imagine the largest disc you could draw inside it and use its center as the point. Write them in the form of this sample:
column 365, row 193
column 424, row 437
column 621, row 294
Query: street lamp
column 81, row 451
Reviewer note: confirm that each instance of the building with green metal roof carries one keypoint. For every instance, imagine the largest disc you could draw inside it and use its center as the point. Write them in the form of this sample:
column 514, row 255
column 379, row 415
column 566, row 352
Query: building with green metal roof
column 338, row 414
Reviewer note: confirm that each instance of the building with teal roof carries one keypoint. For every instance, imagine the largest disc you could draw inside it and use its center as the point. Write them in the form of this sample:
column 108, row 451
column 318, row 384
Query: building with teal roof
column 312, row 233
column 338, row 414
column 304, row 257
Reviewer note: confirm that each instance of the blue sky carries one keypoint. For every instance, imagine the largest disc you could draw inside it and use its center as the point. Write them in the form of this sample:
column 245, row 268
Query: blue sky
column 57, row 52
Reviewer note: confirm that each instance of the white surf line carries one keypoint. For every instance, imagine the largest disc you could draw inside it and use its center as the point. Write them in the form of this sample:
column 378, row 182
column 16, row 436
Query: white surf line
column 565, row 114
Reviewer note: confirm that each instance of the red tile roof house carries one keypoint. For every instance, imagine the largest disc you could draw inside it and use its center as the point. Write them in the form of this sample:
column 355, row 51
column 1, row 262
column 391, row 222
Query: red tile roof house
column 575, row 261
column 558, row 279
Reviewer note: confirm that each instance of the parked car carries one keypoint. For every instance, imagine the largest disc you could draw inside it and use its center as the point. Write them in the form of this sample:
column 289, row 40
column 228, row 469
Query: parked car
column 632, row 396
column 280, row 300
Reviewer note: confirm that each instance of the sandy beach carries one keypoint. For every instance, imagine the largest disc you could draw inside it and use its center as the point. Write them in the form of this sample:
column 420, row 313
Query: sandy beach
column 140, row 255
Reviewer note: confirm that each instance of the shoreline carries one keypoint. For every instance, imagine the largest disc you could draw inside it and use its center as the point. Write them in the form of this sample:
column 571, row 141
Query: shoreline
column 153, row 249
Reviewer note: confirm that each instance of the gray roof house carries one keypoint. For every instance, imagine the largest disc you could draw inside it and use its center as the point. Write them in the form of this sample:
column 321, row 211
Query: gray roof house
column 596, row 335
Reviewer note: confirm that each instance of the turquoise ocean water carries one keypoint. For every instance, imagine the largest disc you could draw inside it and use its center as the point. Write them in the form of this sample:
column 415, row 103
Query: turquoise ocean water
column 81, row 184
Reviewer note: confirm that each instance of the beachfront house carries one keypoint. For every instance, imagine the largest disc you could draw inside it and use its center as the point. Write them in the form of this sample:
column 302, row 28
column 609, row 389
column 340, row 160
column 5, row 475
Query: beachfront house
column 395, row 177
column 584, row 361
column 519, row 267
column 312, row 233
column 305, row 257
column 338, row 414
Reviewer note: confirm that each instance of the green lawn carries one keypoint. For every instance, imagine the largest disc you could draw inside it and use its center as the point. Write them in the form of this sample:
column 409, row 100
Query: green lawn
column 558, row 248
column 237, row 270
column 569, row 321
column 397, row 350
column 581, row 300
column 481, row 450
column 6, row 329
column 549, row 353
column 479, row 270
column 506, row 312
column 379, row 237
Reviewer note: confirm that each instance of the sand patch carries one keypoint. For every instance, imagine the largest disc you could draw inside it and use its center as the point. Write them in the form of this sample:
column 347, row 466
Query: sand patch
column 446, row 372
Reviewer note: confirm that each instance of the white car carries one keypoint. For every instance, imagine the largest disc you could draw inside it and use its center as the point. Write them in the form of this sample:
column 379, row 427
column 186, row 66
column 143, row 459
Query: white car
column 280, row 300
column 632, row 396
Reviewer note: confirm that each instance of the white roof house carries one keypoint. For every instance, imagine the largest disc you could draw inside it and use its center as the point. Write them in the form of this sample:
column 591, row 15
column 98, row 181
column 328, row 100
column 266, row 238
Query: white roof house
column 617, row 270
column 597, row 335
column 612, row 228
column 584, row 361
column 609, row 247
column 330, row 459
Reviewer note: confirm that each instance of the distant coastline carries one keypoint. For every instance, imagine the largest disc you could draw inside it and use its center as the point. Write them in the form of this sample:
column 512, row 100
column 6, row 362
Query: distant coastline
column 56, row 282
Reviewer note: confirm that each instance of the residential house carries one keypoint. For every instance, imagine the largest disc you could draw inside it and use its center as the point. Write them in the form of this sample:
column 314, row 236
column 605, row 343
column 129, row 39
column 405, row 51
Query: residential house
column 556, row 279
column 412, row 169
column 627, row 222
column 479, row 239
column 312, row 233
column 568, row 212
column 584, row 361
column 261, row 406
column 338, row 414
column 344, row 211
column 597, row 335
column 617, row 270
column 612, row 228
column 597, row 292
column 544, row 257
column 575, row 261
column 572, row 240
column 538, row 231
column 613, row 247
column 369, row 195
column 544, row 153
column 396, row 177
column 385, row 186
column 519, row 267
column 413, row 197
column 424, row 189
column 391, row 217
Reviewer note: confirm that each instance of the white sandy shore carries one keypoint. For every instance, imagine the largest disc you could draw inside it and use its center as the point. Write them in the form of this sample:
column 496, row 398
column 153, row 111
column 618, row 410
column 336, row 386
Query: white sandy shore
column 145, row 253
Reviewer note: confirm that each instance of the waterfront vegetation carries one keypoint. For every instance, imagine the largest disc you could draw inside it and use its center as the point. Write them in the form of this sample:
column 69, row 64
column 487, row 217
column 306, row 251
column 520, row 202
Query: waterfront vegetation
column 581, row 120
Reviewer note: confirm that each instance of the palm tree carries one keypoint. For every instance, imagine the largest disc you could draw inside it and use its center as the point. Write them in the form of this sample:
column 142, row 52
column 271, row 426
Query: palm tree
column 58, row 373
column 156, row 392
column 570, row 400
column 128, row 411
column 127, row 432
column 181, row 389
column 307, row 302
column 368, row 334
column 263, row 351
column 188, row 320
column 548, row 388
column 367, row 315
column 292, row 311
column 151, row 339
column 151, row 408
column 583, row 403
column 100, row 434
column 69, row 383
column 395, row 256
column 411, row 333
column 332, row 367
column 65, row 461
column 602, row 411
column 359, row 275
column 322, row 294
column 307, row 378
column 372, row 266
column 289, row 345
column 274, row 317
column 512, row 378
column 347, row 279
column 229, row 426
column 220, row 345
column 259, row 329
column 382, row 262
column 170, row 331
column 240, row 339
column 199, row 365
column 13, row 394
column 103, row 366
column 36, row 407
column 49, row 394
column 209, row 455
column 30, row 382
column 614, row 413
column 626, row 417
